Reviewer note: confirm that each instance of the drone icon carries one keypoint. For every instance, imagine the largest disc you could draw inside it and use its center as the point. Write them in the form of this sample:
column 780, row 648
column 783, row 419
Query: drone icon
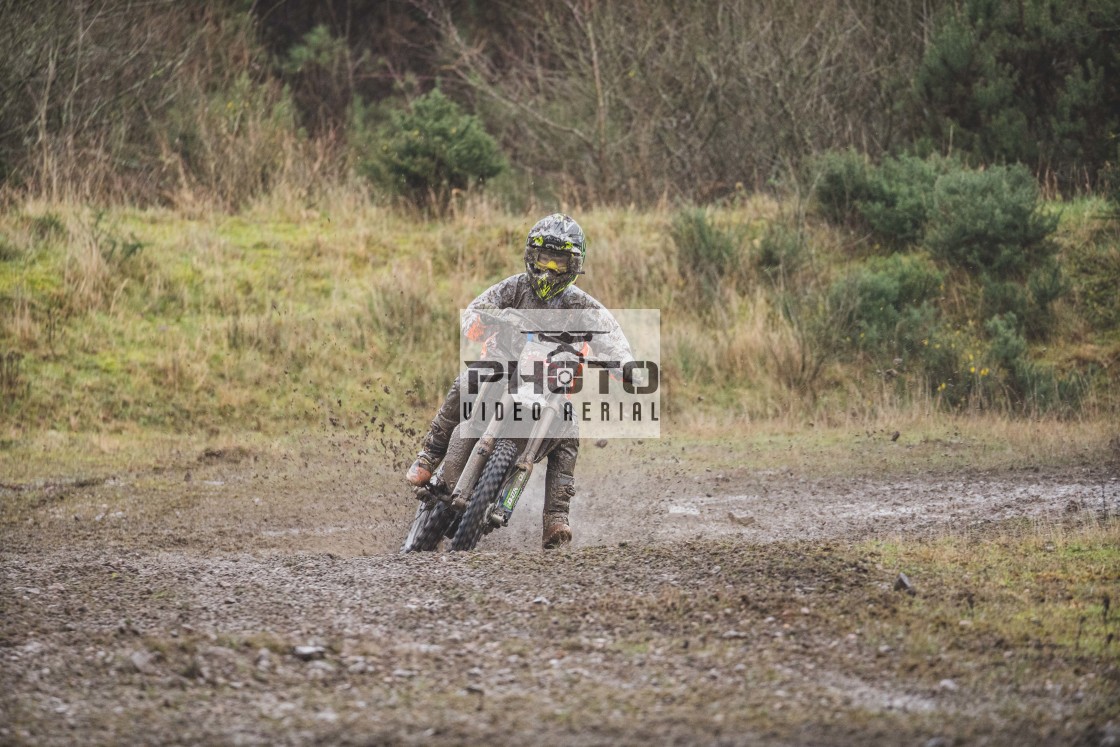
column 565, row 340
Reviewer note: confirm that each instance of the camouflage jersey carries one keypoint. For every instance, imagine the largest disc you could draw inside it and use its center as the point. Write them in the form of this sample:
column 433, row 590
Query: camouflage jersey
column 515, row 292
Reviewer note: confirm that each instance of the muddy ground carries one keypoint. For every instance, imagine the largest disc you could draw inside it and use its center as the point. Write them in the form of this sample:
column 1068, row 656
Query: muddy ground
column 247, row 596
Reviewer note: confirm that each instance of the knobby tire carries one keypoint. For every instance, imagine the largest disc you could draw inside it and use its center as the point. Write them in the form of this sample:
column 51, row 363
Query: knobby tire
column 472, row 527
column 436, row 520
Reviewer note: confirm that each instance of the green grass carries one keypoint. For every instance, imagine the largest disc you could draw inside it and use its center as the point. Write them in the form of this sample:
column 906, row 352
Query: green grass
column 1043, row 586
column 269, row 319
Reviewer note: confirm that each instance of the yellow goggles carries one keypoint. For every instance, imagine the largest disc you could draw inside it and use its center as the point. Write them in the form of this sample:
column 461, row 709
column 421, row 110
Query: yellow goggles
column 560, row 262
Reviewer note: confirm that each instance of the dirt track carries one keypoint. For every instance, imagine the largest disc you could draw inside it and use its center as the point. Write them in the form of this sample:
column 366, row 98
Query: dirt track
column 701, row 603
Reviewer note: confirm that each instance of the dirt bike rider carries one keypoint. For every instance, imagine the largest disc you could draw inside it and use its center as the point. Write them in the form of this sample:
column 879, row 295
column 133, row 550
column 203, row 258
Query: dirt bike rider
column 554, row 257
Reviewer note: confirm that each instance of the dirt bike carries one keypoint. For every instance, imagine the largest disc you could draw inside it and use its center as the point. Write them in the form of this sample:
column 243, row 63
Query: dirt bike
column 476, row 488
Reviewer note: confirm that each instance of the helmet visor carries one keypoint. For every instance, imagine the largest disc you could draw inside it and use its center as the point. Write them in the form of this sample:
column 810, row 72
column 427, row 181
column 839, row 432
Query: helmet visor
column 558, row 261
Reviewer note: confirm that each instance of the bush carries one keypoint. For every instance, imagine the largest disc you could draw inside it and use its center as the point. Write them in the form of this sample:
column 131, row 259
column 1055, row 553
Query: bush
column 707, row 255
column 430, row 151
column 779, row 253
column 898, row 205
column 892, row 201
column 980, row 220
column 1003, row 297
column 1031, row 387
column 990, row 222
column 888, row 306
column 1045, row 285
column 843, row 181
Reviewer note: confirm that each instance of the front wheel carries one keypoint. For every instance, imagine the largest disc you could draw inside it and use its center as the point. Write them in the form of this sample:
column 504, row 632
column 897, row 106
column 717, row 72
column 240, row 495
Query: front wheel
column 486, row 490
column 432, row 520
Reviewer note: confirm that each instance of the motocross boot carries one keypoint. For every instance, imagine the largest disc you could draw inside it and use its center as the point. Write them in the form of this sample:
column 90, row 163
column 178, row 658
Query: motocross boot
column 556, row 531
column 421, row 470
column 434, row 446
column 559, row 488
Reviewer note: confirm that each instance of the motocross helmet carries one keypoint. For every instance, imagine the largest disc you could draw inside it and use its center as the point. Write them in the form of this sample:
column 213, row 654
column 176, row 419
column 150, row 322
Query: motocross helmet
column 554, row 254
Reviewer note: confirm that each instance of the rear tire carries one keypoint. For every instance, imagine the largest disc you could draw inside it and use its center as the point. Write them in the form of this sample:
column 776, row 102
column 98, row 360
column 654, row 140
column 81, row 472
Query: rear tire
column 473, row 525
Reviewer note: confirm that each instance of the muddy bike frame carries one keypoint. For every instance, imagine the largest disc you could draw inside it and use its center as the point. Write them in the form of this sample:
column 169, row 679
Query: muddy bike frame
column 522, row 469
column 530, row 450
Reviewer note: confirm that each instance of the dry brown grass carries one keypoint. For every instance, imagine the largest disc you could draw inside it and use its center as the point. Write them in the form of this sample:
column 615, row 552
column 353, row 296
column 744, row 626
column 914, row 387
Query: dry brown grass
column 271, row 317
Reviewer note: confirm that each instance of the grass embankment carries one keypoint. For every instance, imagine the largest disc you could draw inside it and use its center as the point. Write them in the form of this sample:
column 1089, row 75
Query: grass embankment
column 282, row 317
column 142, row 339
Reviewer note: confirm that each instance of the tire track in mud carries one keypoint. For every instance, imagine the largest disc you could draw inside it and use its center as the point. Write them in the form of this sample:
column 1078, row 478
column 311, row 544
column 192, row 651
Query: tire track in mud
column 685, row 642
column 703, row 607
column 860, row 509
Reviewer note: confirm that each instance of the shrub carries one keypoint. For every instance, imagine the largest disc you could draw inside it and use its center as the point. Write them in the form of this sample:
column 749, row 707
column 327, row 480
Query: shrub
column 779, row 253
column 843, row 181
column 1045, row 285
column 892, row 201
column 1031, row 387
column 898, row 204
column 990, row 222
column 1003, row 297
column 980, row 220
column 430, row 151
column 707, row 255
column 888, row 305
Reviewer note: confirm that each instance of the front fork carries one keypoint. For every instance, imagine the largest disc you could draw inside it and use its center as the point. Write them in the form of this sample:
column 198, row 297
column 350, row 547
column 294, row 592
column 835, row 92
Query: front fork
column 481, row 451
column 514, row 486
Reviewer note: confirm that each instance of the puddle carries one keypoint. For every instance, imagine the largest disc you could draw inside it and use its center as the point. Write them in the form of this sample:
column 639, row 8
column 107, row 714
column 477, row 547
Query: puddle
column 815, row 509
